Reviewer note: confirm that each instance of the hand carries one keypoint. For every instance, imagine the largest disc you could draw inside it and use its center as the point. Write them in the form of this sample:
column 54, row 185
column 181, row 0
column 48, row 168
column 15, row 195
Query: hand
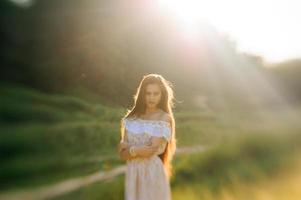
column 149, row 143
column 123, row 145
column 145, row 151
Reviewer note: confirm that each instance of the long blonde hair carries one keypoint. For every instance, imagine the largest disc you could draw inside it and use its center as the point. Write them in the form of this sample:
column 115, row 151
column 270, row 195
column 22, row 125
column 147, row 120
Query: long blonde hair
column 166, row 104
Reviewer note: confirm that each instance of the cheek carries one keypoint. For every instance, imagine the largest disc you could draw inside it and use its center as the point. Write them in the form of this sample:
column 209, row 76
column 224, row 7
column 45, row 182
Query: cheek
column 159, row 97
column 147, row 98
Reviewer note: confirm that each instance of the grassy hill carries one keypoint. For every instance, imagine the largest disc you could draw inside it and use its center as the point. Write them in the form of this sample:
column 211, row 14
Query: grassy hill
column 50, row 137
column 256, row 164
column 45, row 137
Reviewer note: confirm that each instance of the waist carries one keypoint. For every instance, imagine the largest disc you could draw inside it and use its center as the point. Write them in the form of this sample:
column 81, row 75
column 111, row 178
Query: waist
column 143, row 159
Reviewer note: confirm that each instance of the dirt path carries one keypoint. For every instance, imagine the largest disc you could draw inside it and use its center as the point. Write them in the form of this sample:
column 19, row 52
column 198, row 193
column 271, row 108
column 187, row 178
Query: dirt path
column 63, row 187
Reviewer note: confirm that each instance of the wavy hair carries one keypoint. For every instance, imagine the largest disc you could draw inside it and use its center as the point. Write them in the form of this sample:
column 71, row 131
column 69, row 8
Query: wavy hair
column 166, row 104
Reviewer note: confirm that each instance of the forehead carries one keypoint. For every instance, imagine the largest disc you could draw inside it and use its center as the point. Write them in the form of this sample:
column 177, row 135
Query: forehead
column 153, row 87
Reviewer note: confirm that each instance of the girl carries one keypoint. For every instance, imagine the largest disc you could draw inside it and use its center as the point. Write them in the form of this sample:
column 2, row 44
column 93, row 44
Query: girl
column 148, row 141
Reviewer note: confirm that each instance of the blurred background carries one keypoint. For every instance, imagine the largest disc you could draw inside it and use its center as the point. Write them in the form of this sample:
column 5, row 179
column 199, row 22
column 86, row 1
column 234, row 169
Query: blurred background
column 69, row 70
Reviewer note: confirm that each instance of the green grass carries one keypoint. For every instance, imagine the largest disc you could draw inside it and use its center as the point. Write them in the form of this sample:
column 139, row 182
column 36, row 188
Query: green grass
column 112, row 189
column 244, row 158
column 247, row 155
column 245, row 161
column 49, row 137
column 46, row 138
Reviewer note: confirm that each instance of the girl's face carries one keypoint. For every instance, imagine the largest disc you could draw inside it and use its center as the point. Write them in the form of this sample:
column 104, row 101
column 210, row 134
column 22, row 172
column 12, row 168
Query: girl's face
column 152, row 95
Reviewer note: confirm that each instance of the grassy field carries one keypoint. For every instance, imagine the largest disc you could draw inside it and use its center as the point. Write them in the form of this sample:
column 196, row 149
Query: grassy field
column 253, row 168
column 47, row 138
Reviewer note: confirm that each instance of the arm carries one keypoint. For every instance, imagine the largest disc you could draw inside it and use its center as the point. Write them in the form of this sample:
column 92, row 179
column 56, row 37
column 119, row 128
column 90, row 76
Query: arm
column 124, row 146
column 150, row 150
column 156, row 141
column 143, row 151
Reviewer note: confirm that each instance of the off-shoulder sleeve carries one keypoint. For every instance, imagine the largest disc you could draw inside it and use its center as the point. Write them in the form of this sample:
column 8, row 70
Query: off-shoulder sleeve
column 133, row 126
column 162, row 129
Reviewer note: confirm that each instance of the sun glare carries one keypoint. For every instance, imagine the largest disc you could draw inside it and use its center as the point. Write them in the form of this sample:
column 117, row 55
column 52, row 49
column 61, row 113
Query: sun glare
column 187, row 13
column 265, row 27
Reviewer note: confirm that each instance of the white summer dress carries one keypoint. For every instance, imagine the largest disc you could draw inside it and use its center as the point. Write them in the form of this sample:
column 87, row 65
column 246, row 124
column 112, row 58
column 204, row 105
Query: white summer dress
column 145, row 178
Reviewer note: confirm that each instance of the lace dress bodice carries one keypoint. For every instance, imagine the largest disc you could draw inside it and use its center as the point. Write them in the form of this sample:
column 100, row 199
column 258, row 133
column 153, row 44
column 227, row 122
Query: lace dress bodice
column 139, row 131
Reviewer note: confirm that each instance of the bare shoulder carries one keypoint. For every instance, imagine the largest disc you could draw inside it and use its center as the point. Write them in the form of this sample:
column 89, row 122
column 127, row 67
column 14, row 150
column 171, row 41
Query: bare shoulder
column 165, row 116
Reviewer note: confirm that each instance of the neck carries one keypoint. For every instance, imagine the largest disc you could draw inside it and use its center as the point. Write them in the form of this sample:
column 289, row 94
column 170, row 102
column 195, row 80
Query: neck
column 151, row 110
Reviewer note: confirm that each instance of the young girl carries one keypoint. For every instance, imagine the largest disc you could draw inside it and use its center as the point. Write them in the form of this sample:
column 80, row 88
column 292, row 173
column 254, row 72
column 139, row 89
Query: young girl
column 148, row 141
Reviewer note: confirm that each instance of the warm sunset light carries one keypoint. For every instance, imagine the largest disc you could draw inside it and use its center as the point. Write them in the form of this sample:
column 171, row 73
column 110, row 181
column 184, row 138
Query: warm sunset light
column 268, row 28
column 151, row 99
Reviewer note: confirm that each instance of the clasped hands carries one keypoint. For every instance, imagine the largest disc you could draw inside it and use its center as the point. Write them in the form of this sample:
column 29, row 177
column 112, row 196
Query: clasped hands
column 145, row 150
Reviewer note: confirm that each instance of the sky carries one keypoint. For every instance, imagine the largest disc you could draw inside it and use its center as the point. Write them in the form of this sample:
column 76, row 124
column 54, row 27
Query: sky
column 270, row 28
